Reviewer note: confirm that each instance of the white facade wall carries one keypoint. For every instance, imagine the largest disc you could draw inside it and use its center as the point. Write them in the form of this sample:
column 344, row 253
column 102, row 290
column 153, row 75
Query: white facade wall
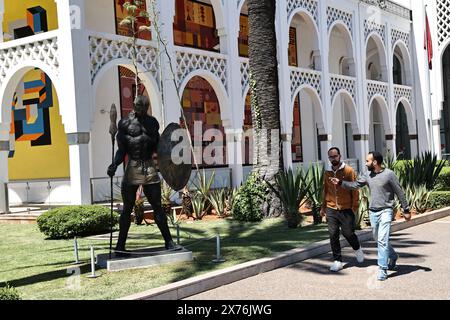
column 89, row 53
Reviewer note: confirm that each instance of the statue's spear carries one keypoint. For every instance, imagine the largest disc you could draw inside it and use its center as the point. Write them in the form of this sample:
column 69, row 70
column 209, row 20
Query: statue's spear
column 112, row 132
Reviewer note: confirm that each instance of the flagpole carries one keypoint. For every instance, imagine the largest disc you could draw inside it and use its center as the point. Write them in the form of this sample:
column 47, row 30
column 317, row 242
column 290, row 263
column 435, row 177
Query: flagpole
column 430, row 108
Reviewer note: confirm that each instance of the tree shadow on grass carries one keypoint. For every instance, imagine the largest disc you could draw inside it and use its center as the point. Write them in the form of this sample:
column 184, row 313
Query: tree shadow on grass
column 44, row 277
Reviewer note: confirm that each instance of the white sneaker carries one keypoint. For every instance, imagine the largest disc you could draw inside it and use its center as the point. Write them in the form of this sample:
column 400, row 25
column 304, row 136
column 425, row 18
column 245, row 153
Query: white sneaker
column 336, row 266
column 359, row 255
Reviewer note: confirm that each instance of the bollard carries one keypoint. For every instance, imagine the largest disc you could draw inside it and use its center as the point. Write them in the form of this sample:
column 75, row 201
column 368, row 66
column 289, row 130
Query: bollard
column 93, row 275
column 75, row 249
column 178, row 234
column 218, row 258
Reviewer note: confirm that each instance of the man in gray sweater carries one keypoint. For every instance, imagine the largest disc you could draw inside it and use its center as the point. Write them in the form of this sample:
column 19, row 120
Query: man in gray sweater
column 383, row 184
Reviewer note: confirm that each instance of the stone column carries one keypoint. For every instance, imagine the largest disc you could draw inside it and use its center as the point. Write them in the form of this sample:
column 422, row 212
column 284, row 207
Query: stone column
column 77, row 99
column 361, row 149
column 390, row 144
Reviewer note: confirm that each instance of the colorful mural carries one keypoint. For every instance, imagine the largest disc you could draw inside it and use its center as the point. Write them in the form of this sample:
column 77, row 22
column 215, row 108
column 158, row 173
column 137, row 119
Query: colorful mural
column 121, row 13
column 292, row 50
column 200, row 103
column 243, row 35
column 26, row 18
column 38, row 144
column 30, row 114
column 296, row 146
column 127, row 91
column 195, row 25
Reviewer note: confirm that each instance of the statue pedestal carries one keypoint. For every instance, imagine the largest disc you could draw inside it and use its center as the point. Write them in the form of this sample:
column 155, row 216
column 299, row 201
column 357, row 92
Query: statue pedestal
column 142, row 258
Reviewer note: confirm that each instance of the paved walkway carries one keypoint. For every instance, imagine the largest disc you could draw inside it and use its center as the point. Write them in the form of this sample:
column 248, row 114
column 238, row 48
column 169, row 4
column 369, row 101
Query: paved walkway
column 423, row 273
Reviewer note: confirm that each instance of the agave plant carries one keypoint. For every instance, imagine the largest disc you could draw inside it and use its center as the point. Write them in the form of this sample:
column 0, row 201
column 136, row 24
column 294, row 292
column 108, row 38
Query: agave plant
column 315, row 177
column 363, row 210
column 203, row 186
column 423, row 170
column 389, row 161
column 292, row 190
column 198, row 206
column 421, row 198
column 230, row 196
column 217, row 199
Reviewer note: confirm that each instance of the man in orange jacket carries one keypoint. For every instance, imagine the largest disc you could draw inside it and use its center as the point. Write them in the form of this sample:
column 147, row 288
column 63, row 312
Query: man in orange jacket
column 340, row 206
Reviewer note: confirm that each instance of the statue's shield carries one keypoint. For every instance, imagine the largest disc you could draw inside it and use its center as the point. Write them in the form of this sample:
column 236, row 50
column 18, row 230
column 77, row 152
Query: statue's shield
column 174, row 156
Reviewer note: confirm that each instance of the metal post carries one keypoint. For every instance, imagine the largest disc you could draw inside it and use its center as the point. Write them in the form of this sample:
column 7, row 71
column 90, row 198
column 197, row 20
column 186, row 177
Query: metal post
column 218, row 258
column 93, row 275
column 75, row 249
column 178, row 234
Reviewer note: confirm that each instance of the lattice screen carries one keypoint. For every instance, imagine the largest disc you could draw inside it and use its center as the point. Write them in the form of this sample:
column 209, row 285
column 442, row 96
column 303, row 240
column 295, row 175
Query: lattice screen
column 309, row 5
column 334, row 14
column 443, row 23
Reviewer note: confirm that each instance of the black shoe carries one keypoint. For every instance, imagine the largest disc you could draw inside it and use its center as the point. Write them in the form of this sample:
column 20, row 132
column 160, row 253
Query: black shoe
column 172, row 246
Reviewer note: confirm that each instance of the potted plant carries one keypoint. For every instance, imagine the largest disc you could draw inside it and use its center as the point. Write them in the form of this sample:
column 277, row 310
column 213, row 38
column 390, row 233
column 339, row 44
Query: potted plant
column 292, row 190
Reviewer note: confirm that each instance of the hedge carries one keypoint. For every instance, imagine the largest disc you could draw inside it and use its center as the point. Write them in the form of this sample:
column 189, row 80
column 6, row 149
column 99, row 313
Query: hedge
column 443, row 181
column 439, row 199
column 70, row 221
column 9, row 293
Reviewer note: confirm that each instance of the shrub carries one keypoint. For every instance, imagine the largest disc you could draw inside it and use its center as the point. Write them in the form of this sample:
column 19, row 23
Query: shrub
column 439, row 199
column 9, row 293
column 70, row 221
column 443, row 180
column 247, row 205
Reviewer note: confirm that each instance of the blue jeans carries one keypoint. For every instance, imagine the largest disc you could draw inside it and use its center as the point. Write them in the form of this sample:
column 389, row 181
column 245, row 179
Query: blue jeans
column 381, row 229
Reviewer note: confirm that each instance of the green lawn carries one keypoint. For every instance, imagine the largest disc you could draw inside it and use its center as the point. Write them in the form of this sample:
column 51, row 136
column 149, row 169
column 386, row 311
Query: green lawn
column 40, row 268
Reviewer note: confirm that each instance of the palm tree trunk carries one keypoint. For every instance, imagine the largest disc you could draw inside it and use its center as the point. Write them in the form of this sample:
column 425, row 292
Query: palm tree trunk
column 265, row 102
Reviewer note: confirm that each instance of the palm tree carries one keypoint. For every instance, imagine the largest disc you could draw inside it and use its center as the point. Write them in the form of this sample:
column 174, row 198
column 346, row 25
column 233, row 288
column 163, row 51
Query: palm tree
column 267, row 156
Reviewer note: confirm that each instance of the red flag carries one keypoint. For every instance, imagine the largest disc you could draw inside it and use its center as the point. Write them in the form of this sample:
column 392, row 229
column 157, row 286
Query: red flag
column 428, row 45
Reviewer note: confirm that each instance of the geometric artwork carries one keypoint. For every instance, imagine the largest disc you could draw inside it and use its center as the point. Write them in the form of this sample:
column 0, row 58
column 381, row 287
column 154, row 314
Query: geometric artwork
column 195, row 25
column 124, row 30
column 30, row 114
column 243, row 36
column 128, row 91
column 200, row 103
column 35, row 22
column 296, row 145
column 292, row 49
column 246, row 160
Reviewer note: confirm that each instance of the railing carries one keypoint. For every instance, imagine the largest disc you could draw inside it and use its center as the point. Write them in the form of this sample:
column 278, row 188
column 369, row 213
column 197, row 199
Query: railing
column 341, row 82
column 45, row 191
column 245, row 73
column 105, row 47
column 41, row 47
column 391, row 7
column 300, row 76
column 401, row 91
column 189, row 60
column 377, row 87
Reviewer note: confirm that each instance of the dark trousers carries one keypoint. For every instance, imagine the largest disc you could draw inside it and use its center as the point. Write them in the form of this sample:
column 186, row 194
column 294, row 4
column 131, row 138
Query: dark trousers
column 153, row 194
column 345, row 220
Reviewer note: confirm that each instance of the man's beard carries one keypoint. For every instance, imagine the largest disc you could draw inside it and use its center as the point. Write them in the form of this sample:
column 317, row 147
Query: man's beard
column 371, row 168
column 335, row 163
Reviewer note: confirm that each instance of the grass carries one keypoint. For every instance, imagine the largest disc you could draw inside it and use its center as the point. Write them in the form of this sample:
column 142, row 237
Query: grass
column 42, row 269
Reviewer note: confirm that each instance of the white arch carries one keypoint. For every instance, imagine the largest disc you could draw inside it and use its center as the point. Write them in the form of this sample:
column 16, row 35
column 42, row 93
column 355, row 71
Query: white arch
column 342, row 27
column 384, row 112
column 12, row 79
column 219, row 89
column 317, row 102
column 409, row 114
column 218, row 13
column 308, row 14
column 148, row 81
column 241, row 4
column 381, row 49
column 348, row 97
column 407, row 65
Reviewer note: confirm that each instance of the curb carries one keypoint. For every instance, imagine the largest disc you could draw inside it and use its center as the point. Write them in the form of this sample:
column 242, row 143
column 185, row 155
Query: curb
column 188, row 287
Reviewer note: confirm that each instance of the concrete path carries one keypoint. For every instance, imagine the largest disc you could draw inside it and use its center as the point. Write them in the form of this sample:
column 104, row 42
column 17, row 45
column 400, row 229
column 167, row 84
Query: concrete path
column 423, row 273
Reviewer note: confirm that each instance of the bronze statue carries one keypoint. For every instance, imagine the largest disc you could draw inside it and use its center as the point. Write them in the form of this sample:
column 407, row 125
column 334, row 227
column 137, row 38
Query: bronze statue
column 138, row 138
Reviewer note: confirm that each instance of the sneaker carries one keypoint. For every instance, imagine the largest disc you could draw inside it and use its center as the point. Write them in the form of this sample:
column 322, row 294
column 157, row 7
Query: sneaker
column 336, row 266
column 382, row 275
column 359, row 255
column 392, row 263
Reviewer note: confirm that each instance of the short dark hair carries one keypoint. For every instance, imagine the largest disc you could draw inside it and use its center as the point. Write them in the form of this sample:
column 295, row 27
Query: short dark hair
column 377, row 156
column 335, row 148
